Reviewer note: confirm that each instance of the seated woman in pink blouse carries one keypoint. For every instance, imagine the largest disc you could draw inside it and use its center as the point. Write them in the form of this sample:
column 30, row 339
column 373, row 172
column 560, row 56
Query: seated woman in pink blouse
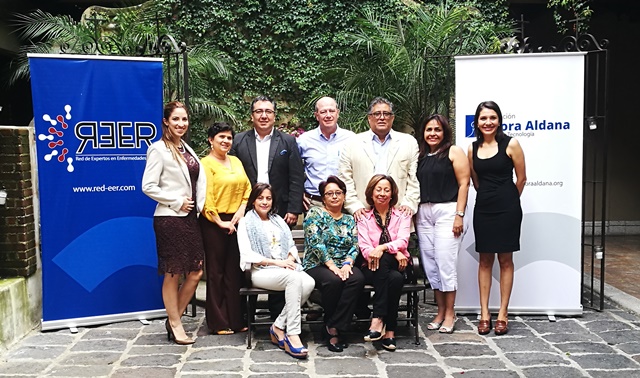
column 383, row 237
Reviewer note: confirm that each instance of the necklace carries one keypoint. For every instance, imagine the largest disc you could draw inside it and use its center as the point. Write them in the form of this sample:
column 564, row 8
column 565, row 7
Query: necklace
column 433, row 153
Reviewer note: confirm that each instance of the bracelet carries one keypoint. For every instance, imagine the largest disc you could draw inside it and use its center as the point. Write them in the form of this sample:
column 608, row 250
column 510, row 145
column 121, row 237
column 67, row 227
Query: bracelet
column 346, row 263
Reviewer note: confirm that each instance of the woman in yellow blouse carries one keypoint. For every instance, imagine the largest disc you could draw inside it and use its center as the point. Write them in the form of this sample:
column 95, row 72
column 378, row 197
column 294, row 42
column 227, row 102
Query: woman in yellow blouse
column 228, row 190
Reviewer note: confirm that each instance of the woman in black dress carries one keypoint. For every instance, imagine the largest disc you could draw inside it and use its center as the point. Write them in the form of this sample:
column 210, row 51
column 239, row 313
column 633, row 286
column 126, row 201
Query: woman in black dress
column 497, row 216
column 174, row 178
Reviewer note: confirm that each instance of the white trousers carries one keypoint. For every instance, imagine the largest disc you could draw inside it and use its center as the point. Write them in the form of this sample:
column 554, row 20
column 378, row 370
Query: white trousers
column 438, row 246
column 297, row 286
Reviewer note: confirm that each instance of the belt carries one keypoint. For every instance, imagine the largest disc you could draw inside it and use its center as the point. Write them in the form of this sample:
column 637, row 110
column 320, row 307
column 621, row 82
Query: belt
column 315, row 198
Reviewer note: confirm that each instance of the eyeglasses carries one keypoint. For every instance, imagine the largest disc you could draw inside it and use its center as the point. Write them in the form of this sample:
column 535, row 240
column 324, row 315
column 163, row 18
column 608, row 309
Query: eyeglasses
column 327, row 111
column 336, row 193
column 384, row 115
column 265, row 111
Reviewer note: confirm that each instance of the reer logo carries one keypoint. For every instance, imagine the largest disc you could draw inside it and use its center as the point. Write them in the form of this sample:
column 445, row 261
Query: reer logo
column 468, row 131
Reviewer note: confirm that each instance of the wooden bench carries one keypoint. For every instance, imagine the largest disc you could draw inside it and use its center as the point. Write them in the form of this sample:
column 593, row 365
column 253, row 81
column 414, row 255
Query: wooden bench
column 410, row 291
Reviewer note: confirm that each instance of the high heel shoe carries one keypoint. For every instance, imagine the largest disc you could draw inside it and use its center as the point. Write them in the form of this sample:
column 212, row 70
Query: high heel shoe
column 445, row 329
column 502, row 327
column 170, row 334
column 375, row 335
column 484, row 327
column 300, row 352
column 274, row 338
column 434, row 326
column 333, row 347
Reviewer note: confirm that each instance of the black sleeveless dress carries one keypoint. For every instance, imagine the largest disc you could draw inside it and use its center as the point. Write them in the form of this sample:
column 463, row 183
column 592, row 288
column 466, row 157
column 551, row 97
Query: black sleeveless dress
column 497, row 215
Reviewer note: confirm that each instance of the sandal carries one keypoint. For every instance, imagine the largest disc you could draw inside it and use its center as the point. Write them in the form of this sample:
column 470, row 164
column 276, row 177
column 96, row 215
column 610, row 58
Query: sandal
column 225, row 331
column 445, row 329
column 434, row 326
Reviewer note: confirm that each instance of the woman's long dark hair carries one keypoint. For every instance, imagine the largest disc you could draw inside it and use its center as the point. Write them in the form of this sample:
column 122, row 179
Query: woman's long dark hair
column 493, row 106
column 445, row 143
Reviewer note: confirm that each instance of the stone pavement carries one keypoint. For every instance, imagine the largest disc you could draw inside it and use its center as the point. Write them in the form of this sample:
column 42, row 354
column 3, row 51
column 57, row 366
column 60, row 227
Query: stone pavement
column 598, row 344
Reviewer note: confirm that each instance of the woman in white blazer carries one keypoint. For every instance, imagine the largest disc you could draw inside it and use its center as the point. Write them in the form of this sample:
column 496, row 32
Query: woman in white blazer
column 175, row 179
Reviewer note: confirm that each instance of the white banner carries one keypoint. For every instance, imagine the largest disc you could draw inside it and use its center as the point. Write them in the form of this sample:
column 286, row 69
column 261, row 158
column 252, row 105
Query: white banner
column 542, row 98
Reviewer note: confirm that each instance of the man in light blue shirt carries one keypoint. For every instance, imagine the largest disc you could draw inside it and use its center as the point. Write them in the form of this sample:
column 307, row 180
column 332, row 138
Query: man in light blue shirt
column 320, row 149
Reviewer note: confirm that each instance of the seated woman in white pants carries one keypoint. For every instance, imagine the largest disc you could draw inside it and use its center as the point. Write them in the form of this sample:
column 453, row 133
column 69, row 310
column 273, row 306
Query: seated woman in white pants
column 267, row 247
column 443, row 173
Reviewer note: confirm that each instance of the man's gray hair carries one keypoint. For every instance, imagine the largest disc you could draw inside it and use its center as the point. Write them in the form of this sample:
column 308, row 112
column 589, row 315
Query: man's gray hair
column 380, row 100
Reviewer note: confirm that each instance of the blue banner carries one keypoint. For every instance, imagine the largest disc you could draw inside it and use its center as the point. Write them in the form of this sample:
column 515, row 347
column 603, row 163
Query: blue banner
column 94, row 120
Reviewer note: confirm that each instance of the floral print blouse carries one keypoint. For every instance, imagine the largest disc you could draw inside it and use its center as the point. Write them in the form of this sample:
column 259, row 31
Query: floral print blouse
column 328, row 239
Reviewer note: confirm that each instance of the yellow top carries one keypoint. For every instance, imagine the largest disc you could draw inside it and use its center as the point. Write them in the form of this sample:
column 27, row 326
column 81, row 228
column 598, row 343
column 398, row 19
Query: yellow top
column 227, row 188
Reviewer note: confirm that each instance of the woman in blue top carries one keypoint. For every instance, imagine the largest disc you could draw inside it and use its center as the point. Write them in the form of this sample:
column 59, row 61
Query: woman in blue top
column 330, row 248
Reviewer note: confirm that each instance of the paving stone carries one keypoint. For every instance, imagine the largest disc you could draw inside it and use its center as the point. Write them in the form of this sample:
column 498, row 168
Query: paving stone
column 456, row 337
column 614, row 374
column 49, row 338
column 630, row 348
column 100, row 344
column 346, row 366
column 160, row 360
column 569, row 337
column 584, row 347
column 216, row 354
column 354, row 350
column 408, row 371
column 552, row 372
column 607, row 325
column 237, row 339
column 124, row 325
column 283, row 375
column 37, row 352
column 604, row 361
column 156, row 339
column 80, row 371
column 120, row 334
column 522, row 344
column 402, row 357
column 619, row 337
column 160, row 349
column 564, row 326
column 276, row 368
column 230, row 366
column 145, row 372
column 483, row 363
column 12, row 368
column 490, row 374
column 92, row 358
column 463, row 350
column 538, row 358
column 274, row 355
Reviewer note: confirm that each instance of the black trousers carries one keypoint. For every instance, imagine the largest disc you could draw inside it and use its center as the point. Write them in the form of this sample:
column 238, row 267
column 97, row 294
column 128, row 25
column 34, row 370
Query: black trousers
column 387, row 281
column 339, row 298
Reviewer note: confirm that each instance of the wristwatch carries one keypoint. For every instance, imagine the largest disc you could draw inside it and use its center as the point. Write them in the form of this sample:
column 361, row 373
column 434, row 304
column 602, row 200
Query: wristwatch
column 460, row 214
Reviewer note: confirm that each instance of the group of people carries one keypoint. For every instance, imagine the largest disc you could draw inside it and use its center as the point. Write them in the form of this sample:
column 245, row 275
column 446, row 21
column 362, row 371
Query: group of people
column 361, row 194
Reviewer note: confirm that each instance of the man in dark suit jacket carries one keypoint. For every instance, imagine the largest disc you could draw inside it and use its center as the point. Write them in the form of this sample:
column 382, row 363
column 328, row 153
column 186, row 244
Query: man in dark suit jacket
column 271, row 156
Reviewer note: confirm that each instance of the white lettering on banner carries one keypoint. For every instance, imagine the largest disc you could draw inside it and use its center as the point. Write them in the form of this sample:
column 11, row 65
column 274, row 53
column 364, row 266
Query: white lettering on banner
column 108, row 134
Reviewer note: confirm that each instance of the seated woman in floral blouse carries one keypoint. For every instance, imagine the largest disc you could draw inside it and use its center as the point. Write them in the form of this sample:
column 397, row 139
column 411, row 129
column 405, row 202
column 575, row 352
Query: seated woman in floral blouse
column 331, row 247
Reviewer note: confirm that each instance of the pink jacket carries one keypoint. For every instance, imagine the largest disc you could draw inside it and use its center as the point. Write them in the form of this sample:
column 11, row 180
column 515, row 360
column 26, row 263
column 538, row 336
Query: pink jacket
column 369, row 233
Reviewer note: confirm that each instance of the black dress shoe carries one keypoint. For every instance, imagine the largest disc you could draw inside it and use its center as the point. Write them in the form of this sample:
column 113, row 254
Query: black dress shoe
column 373, row 335
column 333, row 347
column 389, row 344
column 337, row 348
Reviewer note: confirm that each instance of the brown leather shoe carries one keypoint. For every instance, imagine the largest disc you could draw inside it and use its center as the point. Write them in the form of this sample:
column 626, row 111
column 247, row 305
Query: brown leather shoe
column 501, row 327
column 484, row 327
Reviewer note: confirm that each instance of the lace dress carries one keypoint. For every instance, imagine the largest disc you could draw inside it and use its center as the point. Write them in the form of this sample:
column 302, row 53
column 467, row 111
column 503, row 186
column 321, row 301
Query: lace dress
column 178, row 239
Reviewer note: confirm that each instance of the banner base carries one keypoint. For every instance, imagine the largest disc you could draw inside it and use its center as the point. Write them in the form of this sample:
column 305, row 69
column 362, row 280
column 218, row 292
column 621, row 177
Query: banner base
column 102, row 319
